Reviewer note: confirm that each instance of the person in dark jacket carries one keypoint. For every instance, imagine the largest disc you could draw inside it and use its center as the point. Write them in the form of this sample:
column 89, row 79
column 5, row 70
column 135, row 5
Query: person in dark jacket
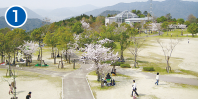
column 29, row 95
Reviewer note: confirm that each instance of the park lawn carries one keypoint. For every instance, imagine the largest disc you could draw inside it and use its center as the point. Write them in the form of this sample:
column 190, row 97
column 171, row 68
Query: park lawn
column 177, row 33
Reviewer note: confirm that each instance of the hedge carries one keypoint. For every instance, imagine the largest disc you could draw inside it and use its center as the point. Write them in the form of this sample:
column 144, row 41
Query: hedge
column 148, row 69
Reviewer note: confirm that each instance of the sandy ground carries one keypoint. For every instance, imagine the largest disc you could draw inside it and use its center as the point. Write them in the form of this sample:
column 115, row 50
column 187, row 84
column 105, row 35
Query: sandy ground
column 184, row 56
column 40, row 88
column 184, row 51
column 145, row 88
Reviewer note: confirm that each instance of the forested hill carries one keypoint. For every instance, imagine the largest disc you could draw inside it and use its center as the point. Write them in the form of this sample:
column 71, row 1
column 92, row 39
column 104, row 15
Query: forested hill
column 177, row 8
column 110, row 12
column 29, row 25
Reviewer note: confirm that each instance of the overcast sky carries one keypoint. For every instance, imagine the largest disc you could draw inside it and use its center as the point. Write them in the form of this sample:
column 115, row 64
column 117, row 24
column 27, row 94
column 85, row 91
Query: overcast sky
column 53, row 4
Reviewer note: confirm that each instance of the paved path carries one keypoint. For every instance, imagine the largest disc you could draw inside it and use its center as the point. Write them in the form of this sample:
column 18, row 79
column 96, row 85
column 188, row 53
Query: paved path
column 75, row 85
column 166, row 78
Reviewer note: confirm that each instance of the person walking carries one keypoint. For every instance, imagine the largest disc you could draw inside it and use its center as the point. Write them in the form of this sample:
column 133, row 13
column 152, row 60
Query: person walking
column 11, row 88
column 29, row 95
column 157, row 79
column 134, row 88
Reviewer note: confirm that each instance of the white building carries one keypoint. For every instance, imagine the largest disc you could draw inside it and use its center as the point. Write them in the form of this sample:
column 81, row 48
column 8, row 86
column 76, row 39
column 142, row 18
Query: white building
column 125, row 16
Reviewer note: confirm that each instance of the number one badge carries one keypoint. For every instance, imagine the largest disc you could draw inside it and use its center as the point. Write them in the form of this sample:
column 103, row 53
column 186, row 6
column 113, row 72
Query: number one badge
column 16, row 16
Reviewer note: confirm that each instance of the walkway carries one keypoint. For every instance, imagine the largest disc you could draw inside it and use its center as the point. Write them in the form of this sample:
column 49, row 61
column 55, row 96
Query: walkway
column 75, row 85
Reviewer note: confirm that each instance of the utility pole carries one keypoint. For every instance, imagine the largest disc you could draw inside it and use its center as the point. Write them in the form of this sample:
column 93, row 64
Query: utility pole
column 151, row 9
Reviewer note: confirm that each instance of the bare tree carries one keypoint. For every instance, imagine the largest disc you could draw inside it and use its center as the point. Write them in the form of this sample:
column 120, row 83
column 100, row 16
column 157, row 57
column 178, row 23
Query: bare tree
column 167, row 49
column 135, row 47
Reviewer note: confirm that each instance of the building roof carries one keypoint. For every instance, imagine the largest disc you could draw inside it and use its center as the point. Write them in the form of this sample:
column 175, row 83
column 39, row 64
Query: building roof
column 126, row 14
column 138, row 19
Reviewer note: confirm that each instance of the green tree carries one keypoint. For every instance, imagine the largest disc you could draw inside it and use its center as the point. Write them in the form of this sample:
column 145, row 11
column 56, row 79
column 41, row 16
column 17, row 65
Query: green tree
column 134, row 11
column 165, row 25
column 5, row 30
column 187, row 23
column 145, row 13
column 197, row 20
column 51, row 40
column 2, row 49
column 123, row 43
column 123, row 37
column 37, row 35
column 77, row 28
column 193, row 28
column 161, row 19
column 65, row 39
column 180, row 21
column 12, row 40
column 114, row 24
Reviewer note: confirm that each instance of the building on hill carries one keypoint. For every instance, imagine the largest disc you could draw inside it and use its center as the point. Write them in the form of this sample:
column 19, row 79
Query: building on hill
column 127, row 17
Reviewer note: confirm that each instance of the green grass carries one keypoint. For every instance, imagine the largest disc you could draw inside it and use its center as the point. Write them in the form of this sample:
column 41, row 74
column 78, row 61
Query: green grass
column 189, row 72
column 93, row 73
column 185, row 86
column 159, row 67
column 177, row 33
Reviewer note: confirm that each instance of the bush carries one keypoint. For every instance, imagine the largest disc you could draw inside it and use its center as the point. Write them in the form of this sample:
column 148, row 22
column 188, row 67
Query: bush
column 125, row 66
column 117, row 63
column 148, row 69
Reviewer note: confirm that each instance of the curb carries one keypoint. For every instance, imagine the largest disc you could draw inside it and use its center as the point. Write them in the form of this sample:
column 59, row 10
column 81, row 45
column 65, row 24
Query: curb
column 89, row 86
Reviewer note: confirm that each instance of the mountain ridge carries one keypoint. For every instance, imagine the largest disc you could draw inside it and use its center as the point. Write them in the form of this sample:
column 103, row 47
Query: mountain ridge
column 177, row 8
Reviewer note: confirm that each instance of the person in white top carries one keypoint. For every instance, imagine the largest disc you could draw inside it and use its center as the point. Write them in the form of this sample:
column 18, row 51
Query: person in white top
column 157, row 79
column 134, row 88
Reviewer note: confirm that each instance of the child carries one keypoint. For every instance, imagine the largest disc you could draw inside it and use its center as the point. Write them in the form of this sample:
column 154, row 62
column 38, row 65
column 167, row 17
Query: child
column 10, row 89
column 134, row 88
column 157, row 79
column 29, row 95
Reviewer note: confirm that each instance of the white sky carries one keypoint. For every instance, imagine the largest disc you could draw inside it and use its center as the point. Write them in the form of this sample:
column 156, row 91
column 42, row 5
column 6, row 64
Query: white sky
column 53, row 4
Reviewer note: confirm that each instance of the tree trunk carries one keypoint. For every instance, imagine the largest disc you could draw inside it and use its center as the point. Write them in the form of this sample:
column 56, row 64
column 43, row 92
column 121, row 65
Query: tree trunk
column 61, row 62
column 97, row 72
column 135, row 56
column 102, row 82
column 9, row 69
column 41, row 57
column 26, row 60
column 122, row 57
column 52, row 54
column 168, row 68
column 14, row 58
column 74, row 64
column 66, row 55
column 135, row 61
column 55, row 58
column 69, row 59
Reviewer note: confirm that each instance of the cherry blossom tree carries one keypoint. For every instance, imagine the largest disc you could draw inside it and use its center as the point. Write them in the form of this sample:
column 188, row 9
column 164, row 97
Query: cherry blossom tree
column 98, row 54
column 85, row 25
column 28, row 48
